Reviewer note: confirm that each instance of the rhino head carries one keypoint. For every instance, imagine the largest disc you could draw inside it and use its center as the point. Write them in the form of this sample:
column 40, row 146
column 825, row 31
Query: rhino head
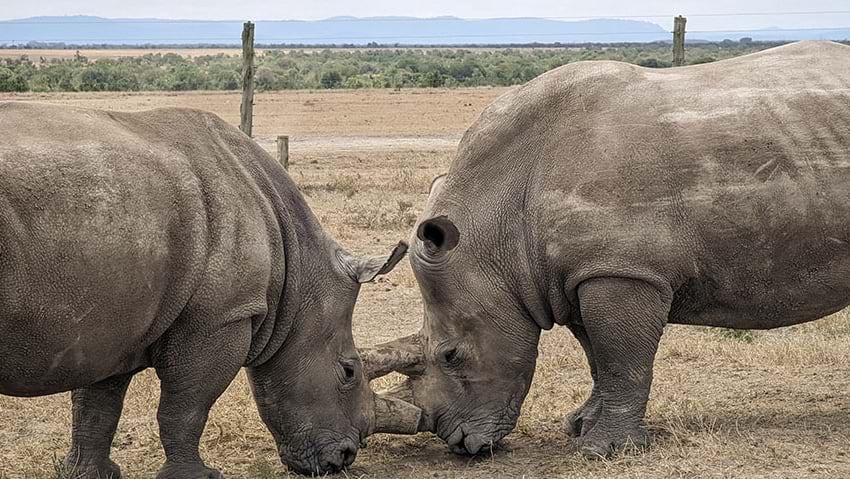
column 470, row 366
column 312, row 392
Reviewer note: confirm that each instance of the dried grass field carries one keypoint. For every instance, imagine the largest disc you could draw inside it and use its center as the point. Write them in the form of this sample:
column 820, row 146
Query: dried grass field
column 766, row 404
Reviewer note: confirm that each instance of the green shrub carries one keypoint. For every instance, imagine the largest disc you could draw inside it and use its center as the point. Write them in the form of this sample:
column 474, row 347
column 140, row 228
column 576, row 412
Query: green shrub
column 331, row 79
column 10, row 81
column 378, row 68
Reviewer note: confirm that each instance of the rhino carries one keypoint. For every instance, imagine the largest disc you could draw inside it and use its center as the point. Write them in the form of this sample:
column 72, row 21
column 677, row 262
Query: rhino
column 613, row 200
column 167, row 239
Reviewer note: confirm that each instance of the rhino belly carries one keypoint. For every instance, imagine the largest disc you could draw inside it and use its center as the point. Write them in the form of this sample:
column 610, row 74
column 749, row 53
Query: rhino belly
column 761, row 303
column 61, row 357
column 64, row 324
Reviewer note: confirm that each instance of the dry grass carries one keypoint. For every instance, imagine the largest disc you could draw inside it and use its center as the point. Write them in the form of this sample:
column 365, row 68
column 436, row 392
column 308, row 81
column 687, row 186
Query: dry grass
column 772, row 404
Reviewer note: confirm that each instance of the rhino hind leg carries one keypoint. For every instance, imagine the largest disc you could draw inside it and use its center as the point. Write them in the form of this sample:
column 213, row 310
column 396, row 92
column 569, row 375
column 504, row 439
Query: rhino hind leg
column 624, row 319
column 585, row 416
column 96, row 410
column 194, row 370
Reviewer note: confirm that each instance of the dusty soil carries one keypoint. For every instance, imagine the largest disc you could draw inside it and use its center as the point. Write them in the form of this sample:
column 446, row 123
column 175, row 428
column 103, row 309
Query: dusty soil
column 770, row 404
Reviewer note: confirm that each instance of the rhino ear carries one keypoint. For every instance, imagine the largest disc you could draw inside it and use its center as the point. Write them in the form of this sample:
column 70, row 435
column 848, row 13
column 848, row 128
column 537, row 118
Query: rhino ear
column 436, row 185
column 438, row 234
column 365, row 270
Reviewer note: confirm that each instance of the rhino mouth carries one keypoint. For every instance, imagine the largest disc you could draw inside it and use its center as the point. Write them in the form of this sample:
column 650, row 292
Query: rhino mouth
column 469, row 440
column 483, row 433
column 323, row 454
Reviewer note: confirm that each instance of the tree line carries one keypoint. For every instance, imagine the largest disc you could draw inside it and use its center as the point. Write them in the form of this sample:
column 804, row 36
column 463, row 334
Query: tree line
column 331, row 68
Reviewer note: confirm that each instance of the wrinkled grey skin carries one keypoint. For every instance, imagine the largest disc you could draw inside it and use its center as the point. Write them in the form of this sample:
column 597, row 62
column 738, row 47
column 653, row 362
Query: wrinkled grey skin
column 613, row 199
column 168, row 239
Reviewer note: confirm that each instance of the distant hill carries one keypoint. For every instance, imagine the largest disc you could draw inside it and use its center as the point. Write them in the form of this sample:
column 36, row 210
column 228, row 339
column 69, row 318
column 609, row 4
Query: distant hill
column 87, row 30
column 338, row 30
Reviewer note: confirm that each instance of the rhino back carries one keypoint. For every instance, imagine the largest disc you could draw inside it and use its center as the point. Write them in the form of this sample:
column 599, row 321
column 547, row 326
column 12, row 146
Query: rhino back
column 110, row 226
column 727, row 181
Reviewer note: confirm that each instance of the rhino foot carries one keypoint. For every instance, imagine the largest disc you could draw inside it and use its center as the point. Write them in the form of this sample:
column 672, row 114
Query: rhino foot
column 599, row 444
column 82, row 470
column 582, row 420
column 187, row 471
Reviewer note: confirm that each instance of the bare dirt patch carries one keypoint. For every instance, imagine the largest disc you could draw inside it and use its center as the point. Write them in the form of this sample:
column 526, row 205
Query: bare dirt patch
column 722, row 406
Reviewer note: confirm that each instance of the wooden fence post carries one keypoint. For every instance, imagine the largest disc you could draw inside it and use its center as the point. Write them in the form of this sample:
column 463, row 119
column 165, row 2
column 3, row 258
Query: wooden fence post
column 246, row 110
column 283, row 151
column 679, row 40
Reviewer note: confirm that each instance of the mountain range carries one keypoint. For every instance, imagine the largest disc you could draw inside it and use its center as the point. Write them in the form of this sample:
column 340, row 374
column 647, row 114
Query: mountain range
column 88, row 30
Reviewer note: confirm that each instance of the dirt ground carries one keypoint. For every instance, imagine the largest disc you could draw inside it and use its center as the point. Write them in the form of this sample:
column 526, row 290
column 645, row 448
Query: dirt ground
column 767, row 404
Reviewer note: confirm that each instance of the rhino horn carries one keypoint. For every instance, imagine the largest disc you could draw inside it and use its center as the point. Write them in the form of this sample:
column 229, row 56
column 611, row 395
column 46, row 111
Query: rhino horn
column 402, row 355
column 395, row 413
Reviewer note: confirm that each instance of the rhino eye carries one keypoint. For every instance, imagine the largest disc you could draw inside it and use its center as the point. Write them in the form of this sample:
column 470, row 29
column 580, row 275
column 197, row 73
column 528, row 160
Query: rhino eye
column 348, row 373
column 452, row 357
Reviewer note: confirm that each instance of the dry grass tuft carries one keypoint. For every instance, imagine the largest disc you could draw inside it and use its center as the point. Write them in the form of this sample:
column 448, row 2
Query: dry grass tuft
column 380, row 215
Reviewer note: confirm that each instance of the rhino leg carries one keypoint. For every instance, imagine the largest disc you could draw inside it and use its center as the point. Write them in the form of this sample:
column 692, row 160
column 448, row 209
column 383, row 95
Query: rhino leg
column 194, row 370
column 584, row 418
column 96, row 410
column 624, row 319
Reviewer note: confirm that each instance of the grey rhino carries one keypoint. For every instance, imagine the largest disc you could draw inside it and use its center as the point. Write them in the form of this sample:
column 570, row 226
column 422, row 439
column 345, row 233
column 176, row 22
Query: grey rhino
column 168, row 239
column 613, row 200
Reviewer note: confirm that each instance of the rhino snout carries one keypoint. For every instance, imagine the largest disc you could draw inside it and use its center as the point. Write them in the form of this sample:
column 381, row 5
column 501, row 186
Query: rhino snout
column 471, row 443
column 330, row 459
column 339, row 457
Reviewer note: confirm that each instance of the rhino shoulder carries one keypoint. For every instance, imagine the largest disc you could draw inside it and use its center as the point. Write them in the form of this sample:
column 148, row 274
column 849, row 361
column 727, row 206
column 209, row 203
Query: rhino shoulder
column 561, row 96
column 561, row 87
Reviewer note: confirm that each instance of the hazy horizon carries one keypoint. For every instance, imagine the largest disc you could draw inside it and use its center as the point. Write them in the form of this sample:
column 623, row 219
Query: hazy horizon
column 472, row 9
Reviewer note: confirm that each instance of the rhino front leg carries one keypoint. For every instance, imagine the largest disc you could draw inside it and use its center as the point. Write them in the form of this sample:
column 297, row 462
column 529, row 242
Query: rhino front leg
column 624, row 319
column 194, row 370
column 583, row 419
column 96, row 410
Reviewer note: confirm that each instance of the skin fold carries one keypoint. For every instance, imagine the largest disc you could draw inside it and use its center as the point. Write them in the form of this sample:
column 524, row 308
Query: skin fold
column 613, row 200
column 168, row 239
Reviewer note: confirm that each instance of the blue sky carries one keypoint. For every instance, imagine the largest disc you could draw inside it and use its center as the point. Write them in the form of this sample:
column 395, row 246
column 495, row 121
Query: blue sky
column 316, row 9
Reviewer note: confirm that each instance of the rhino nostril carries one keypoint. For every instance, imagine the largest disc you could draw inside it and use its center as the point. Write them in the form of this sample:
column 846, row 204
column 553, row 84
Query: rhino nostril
column 465, row 443
column 456, row 438
column 348, row 452
column 474, row 443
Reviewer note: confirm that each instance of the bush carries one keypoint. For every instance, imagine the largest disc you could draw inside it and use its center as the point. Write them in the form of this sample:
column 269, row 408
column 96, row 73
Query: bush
column 654, row 63
column 381, row 68
column 186, row 77
column 331, row 79
column 10, row 81
column 107, row 75
column 223, row 78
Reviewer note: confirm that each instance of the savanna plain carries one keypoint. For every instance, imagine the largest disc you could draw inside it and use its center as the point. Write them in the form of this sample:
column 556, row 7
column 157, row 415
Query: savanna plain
column 770, row 404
